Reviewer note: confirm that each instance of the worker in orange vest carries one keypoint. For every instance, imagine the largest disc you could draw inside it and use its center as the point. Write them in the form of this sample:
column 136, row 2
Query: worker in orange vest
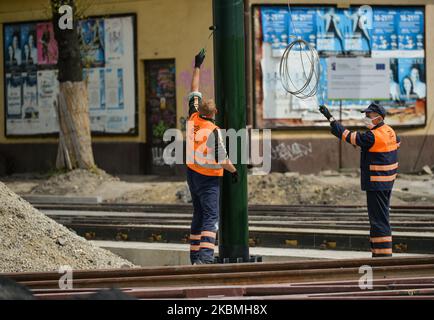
column 379, row 167
column 206, row 160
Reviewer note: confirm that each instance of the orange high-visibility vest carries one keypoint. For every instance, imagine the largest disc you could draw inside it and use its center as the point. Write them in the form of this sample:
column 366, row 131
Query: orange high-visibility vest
column 200, row 158
column 382, row 166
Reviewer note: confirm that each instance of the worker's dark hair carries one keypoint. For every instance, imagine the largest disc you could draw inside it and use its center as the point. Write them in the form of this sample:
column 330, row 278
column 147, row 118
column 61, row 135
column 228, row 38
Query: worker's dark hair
column 207, row 108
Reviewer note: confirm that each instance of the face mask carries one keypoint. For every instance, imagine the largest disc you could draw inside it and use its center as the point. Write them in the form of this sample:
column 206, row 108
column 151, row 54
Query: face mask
column 369, row 123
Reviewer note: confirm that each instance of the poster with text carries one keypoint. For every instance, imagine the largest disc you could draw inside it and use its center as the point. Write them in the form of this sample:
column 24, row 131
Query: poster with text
column 31, row 78
column 411, row 29
column 303, row 23
column 391, row 34
column 385, row 31
column 13, row 95
column 114, row 40
column 95, row 79
column 48, row 89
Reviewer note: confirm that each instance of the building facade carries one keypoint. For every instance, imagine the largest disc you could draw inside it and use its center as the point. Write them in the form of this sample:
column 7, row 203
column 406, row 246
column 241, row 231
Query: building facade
column 166, row 34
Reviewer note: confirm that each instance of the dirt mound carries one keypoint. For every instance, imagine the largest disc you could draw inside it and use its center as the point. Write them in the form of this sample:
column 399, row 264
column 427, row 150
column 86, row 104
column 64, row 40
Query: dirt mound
column 30, row 241
column 294, row 189
column 274, row 188
column 76, row 182
column 157, row 192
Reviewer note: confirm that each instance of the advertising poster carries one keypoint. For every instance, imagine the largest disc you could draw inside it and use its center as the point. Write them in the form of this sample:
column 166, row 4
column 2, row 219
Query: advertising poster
column 13, row 95
column 32, row 87
column 28, row 46
column 48, row 88
column 412, row 79
column 30, row 95
column 12, row 47
column 411, row 29
column 331, row 24
column 303, row 24
column 276, row 22
column 114, row 40
column 392, row 34
column 46, row 44
column 385, row 31
column 95, row 79
column 358, row 26
column 91, row 38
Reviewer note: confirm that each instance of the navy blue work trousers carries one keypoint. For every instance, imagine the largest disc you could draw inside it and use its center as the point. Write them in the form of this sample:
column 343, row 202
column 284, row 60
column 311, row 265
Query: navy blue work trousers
column 380, row 231
column 205, row 191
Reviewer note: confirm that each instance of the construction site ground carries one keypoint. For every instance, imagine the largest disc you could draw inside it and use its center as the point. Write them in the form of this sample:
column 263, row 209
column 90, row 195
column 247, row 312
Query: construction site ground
column 325, row 188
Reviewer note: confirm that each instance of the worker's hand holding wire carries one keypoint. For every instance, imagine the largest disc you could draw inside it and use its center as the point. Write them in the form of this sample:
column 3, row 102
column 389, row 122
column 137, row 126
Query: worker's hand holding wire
column 325, row 111
column 235, row 177
column 198, row 59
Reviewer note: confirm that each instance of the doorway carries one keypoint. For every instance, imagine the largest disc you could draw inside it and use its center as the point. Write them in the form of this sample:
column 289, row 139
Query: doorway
column 160, row 84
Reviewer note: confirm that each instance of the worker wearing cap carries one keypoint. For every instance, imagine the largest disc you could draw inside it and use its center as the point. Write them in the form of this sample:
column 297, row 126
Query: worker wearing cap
column 379, row 165
column 206, row 161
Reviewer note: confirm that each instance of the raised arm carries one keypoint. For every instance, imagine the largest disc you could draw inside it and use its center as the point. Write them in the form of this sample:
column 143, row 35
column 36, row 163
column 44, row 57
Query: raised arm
column 198, row 60
column 195, row 80
column 357, row 139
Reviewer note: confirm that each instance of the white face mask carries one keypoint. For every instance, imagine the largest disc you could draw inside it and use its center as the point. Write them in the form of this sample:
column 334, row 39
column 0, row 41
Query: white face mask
column 369, row 123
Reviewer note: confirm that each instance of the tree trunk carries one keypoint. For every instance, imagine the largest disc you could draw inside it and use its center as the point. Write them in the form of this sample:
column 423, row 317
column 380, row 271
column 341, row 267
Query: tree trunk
column 75, row 145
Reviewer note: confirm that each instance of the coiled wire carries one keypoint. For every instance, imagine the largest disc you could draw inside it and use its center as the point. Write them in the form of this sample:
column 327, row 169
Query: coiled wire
column 311, row 72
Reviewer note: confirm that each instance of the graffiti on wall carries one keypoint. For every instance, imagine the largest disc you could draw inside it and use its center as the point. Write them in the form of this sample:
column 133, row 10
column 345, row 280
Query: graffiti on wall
column 292, row 152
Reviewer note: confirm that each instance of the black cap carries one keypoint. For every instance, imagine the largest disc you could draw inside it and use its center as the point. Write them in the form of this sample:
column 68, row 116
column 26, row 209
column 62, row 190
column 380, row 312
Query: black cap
column 373, row 107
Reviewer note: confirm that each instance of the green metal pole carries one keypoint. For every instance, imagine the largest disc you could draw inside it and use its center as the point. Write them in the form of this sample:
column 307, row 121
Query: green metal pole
column 230, row 93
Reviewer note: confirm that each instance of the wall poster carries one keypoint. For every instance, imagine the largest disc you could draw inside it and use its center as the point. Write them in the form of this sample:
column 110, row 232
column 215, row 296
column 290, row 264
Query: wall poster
column 394, row 34
column 107, row 48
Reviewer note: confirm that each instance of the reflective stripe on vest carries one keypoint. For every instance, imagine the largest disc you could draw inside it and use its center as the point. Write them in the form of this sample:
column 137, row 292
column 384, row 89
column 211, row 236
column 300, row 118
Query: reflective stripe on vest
column 383, row 155
column 199, row 156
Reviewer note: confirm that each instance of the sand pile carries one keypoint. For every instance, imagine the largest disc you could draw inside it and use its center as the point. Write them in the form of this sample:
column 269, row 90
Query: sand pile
column 295, row 189
column 76, row 182
column 30, row 241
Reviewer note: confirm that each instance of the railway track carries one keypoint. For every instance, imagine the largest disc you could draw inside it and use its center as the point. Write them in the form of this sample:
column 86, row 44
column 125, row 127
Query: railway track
column 318, row 227
column 393, row 278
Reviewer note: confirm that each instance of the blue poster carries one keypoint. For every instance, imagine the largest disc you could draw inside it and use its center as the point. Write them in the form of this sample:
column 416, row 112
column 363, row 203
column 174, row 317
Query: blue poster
column 412, row 78
column 12, row 46
column 28, row 45
column 411, row 29
column 14, row 95
column 91, row 38
column 331, row 23
column 302, row 25
column 357, row 29
column 384, row 30
column 275, row 27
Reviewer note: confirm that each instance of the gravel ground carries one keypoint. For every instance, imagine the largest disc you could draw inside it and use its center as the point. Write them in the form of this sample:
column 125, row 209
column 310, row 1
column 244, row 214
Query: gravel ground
column 328, row 187
column 30, row 241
